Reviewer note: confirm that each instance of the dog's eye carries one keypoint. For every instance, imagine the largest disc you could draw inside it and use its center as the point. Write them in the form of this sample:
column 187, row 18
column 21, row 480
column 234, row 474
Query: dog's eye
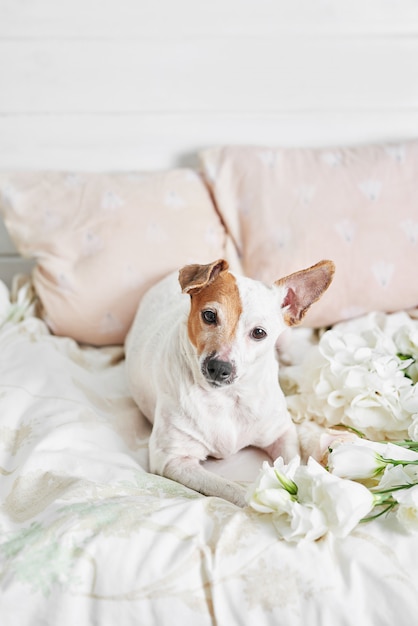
column 209, row 317
column 258, row 333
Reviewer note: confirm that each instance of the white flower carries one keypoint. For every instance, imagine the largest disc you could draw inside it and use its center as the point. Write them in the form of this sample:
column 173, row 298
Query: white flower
column 413, row 428
column 4, row 302
column 306, row 501
column 360, row 374
column 268, row 494
column 16, row 306
column 343, row 502
column 398, row 475
column 406, row 339
column 363, row 459
column 304, row 521
column 407, row 512
column 412, row 371
column 355, row 462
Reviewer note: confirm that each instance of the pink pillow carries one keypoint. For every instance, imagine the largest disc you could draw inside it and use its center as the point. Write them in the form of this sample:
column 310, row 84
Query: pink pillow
column 286, row 209
column 101, row 240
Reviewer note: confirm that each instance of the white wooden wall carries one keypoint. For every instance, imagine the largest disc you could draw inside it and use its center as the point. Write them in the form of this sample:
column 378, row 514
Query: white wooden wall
column 122, row 84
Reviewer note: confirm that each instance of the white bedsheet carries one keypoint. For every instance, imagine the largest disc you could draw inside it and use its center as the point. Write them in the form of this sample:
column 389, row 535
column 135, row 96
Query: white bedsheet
column 89, row 537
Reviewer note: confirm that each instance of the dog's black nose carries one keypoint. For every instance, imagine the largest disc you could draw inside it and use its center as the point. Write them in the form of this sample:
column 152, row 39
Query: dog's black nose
column 218, row 371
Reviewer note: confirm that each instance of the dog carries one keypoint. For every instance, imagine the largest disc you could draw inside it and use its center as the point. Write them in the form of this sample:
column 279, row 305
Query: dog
column 202, row 366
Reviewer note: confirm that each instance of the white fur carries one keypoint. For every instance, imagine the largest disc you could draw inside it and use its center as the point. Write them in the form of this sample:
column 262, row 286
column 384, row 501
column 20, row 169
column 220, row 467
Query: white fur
column 192, row 419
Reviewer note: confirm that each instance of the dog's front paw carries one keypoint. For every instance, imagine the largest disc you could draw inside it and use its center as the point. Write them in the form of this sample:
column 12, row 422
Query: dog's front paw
column 190, row 473
column 231, row 491
column 239, row 496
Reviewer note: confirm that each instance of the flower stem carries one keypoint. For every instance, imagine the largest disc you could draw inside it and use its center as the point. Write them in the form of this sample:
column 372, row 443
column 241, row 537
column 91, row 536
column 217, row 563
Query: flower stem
column 351, row 429
column 392, row 489
column 403, row 463
column 388, row 508
column 407, row 443
column 384, row 498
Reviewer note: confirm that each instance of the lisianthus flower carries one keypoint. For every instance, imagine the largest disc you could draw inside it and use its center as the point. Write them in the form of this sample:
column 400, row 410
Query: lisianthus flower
column 395, row 476
column 343, row 502
column 268, row 494
column 355, row 462
column 306, row 501
column 363, row 459
column 407, row 510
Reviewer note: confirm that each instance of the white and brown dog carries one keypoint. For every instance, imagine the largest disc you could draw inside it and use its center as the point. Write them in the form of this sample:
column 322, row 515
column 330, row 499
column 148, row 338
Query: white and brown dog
column 202, row 367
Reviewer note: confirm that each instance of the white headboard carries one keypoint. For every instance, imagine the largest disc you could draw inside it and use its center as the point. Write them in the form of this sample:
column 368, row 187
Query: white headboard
column 145, row 84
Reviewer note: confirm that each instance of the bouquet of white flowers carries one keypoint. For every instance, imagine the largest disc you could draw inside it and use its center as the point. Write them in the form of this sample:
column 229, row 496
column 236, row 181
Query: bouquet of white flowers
column 361, row 375
column 363, row 480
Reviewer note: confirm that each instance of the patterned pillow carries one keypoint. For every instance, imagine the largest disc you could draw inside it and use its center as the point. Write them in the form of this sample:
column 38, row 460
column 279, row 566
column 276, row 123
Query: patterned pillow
column 101, row 240
column 288, row 208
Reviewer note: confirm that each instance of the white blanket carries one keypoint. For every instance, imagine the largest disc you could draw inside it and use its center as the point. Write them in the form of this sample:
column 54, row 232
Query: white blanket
column 89, row 537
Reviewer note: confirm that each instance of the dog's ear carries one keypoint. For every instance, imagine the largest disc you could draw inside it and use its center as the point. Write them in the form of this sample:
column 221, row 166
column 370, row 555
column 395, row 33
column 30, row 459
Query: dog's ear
column 303, row 288
column 195, row 277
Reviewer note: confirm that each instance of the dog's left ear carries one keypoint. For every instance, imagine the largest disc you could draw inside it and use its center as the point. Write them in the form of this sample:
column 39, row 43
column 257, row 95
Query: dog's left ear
column 195, row 277
column 303, row 288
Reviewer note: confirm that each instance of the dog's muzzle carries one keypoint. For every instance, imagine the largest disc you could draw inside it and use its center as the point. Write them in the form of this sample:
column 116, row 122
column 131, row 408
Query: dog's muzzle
column 218, row 372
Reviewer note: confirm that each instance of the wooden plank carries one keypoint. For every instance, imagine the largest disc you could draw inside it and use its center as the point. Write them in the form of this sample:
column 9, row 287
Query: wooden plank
column 161, row 141
column 253, row 75
column 130, row 18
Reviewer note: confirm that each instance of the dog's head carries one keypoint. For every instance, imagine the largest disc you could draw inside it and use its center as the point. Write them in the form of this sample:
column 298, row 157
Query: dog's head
column 234, row 321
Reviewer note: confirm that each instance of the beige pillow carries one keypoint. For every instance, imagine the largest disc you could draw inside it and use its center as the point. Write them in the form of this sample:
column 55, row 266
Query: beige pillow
column 286, row 209
column 101, row 240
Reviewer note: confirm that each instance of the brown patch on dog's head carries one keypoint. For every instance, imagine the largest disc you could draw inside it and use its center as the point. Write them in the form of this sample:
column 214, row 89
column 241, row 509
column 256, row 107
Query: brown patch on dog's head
column 194, row 277
column 213, row 290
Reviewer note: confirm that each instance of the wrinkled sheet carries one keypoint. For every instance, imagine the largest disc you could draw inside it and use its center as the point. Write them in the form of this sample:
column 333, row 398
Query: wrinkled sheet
column 88, row 536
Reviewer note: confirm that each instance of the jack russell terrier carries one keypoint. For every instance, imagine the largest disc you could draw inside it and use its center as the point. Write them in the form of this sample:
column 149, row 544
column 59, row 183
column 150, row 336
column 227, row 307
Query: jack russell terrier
column 202, row 367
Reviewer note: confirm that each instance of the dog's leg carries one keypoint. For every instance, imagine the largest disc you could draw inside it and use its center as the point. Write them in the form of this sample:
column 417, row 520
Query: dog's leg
column 286, row 446
column 312, row 441
column 315, row 440
column 307, row 439
column 189, row 472
column 176, row 455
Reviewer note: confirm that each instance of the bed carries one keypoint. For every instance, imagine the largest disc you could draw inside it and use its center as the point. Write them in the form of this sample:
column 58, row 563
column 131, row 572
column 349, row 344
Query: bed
column 88, row 534
column 100, row 198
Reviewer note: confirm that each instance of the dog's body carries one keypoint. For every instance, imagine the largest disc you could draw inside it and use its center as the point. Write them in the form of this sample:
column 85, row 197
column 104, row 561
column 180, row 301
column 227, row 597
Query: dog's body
column 202, row 367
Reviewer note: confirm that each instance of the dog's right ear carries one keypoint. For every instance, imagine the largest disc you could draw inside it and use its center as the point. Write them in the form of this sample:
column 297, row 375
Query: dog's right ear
column 303, row 288
column 195, row 277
